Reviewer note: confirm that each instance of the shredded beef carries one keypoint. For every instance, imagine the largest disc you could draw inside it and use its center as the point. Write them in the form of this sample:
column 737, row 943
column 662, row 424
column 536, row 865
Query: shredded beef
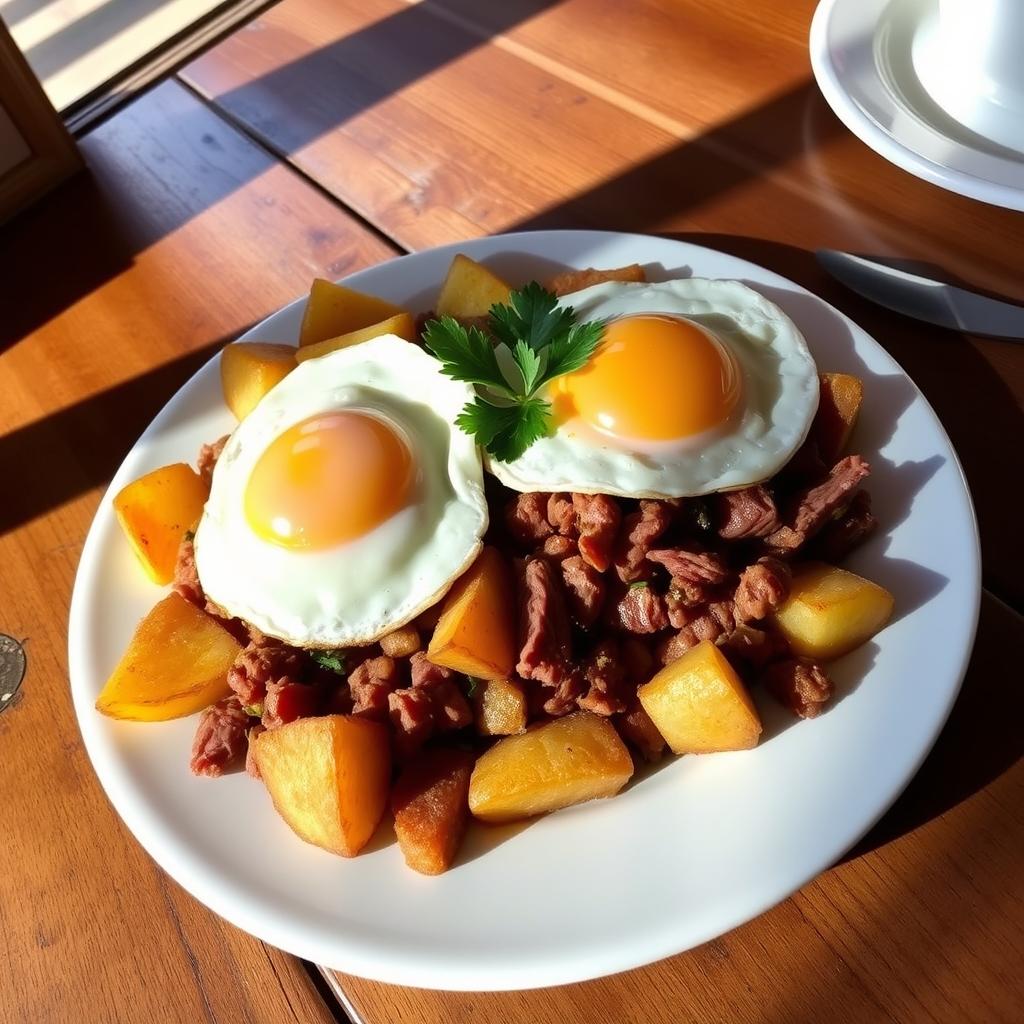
column 637, row 660
column 543, row 624
column 813, row 507
column 558, row 548
column 598, row 518
column 606, row 678
column 186, row 578
column 566, row 695
column 683, row 601
column 639, row 532
column 208, row 456
column 744, row 514
column 754, row 647
column 637, row 729
column 840, row 536
column 262, row 663
column 561, row 515
column 714, row 621
column 526, row 518
column 642, row 610
column 220, row 741
column 370, row 683
column 433, row 703
column 762, row 588
column 584, row 590
column 412, row 717
column 251, row 768
column 800, row 685
column 286, row 701
column 702, row 568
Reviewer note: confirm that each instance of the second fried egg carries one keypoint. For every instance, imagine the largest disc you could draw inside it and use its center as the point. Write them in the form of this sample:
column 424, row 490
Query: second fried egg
column 697, row 386
column 347, row 501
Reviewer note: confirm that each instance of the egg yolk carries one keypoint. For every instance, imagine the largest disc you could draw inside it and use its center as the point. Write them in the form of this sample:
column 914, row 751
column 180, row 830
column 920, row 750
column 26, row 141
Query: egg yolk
column 327, row 480
column 653, row 378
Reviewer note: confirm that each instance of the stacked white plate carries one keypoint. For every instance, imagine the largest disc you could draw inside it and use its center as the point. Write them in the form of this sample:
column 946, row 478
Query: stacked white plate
column 912, row 86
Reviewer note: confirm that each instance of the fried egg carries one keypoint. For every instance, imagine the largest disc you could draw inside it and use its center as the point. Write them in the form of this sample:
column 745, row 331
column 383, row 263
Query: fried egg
column 347, row 501
column 696, row 386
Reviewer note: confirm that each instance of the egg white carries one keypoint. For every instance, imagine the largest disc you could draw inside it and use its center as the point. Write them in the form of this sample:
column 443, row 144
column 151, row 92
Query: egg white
column 358, row 591
column 779, row 399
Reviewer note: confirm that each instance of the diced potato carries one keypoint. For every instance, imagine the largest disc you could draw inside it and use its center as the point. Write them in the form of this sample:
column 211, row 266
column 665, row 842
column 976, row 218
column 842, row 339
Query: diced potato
column 830, row 611
column 430, row 808
column 700, row 705
column 565, row 761
column 470, row 289
column 156, row 510
column 249, row 369
column 176, row 664
column 840, row 399
column 499, row 706
column 401, row 642
column 476, row 631
column 328, row 778
column 333, row 309
column 402, row 324
column 573, row 280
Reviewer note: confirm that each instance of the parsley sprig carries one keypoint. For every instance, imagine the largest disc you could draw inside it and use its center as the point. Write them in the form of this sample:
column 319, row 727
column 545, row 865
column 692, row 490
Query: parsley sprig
column 332, row 660
column 537, row 341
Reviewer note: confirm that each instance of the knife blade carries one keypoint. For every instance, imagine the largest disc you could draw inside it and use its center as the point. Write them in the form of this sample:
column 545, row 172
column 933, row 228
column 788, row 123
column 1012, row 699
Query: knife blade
column 934, row 302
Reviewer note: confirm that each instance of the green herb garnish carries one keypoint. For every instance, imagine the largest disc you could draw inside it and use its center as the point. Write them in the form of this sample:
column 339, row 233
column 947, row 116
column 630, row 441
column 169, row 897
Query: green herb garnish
column 638, row 584
column 253, row 710
column 471, row 683
column 333, row 661
column 537, row 342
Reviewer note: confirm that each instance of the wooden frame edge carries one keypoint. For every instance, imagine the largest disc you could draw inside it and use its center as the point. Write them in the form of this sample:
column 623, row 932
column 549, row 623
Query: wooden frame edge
column 53, row 154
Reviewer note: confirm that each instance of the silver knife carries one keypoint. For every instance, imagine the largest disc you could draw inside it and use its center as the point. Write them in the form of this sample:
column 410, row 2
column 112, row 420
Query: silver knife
column 931, row 301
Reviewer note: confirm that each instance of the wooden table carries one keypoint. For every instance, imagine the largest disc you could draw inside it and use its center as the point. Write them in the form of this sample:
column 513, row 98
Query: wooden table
column 329, row 135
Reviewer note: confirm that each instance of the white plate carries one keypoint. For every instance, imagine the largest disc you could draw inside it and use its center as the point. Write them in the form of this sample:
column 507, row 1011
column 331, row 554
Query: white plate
column 687, row 852
column 867, row 56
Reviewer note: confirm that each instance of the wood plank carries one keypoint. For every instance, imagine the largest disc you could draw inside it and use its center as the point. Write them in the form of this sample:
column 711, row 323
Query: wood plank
column 188, row 233
column 465, row 119
column 921, row 922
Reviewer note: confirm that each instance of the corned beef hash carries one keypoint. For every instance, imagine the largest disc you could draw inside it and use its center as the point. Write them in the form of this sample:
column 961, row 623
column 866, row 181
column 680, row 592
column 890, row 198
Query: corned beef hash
column 477, row 562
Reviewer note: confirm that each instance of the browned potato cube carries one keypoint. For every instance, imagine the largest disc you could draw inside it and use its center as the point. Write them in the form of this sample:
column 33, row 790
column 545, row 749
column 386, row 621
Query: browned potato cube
column 469, row 290
column 249, row 369
column 840, row 399
column 328, row 778
column 575, row 280
column 831, row 611
column 476, row 631
column 700, row 705
column 333, row 310
column 430, row 808
column 401, row 642
column 499, row 707
column 565, row 761
column 176, row 664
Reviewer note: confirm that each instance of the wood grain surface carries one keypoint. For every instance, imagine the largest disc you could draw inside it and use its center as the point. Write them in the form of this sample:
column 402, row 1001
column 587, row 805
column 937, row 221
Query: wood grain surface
column 183, row 235
column 336, row 133
column 687, row 118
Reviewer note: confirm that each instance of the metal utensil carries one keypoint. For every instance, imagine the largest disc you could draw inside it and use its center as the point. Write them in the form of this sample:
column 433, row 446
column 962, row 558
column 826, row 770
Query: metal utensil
column 931, row 301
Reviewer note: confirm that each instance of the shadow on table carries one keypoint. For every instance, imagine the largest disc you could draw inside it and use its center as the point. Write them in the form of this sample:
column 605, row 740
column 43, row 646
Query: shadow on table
column 82, row 445
column 188, row 159
column 981, row 740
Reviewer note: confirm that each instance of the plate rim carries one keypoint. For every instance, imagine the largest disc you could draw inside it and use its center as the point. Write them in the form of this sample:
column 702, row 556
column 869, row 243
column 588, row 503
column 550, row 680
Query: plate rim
column 830, row 82
column 423, row 971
